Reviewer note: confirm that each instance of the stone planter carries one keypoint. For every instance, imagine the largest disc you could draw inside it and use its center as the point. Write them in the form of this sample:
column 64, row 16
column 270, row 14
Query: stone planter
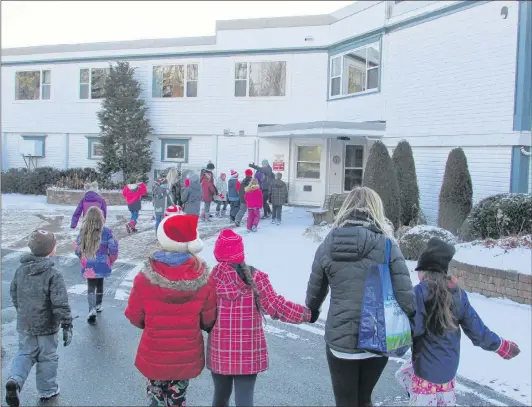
column 72, row 197
column 493, row 282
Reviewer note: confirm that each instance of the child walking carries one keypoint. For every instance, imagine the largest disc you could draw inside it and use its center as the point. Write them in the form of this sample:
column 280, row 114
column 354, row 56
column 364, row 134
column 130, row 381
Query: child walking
column 191, row 195
column 91, row 198
column 233, row 188
column 442, row 308
column 254, row 202
column 162, row 199
column 172, row 300
column 278, row 198
column 221, row 197
column 133, row 192
column 244, row 295
column 40, row 297
column 98, row 250
column 208, row 193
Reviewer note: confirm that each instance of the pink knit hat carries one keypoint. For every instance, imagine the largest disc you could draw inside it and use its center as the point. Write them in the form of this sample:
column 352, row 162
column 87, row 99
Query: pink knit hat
column 229, row 247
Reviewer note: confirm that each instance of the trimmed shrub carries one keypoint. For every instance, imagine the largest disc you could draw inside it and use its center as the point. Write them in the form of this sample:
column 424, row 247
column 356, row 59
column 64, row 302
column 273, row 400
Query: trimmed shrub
column 456, row 194
column 380, row 176
column 405, row 169
column 499, row 216
column 413, row 242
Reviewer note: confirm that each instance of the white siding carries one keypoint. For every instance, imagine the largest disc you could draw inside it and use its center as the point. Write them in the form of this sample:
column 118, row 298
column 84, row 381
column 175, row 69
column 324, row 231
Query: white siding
column 235, row 153
column 78, row 151
column 54, row 151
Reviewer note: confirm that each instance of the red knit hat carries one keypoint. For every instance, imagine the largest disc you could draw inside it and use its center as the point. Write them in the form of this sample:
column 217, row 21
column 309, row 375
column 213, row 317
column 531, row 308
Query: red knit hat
column 178, row 233
column 229, row 247
column 248, row 173
column 234, row 174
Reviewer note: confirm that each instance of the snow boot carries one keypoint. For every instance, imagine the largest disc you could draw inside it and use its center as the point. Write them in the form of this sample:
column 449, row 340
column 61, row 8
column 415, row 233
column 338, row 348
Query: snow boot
column 254, row 229
column 99, row 308
column 91, row 318
column 222, row 214
column 217, row 214
column 128, row 228
column 12, row 393
column 237, row 223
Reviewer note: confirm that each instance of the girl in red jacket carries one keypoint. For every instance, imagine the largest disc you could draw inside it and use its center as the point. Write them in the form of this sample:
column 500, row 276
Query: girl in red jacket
column 133, row 192
column 253, row 197
column 172, row 300
column 208, row 193
column 236, row 350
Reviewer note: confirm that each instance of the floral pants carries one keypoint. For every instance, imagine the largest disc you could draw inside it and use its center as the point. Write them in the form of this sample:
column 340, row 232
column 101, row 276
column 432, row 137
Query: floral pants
column 423, row 392
column 163, row 393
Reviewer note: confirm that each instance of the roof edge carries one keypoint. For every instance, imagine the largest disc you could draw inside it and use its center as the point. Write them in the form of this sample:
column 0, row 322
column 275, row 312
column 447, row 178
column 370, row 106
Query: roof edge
column 275, row 22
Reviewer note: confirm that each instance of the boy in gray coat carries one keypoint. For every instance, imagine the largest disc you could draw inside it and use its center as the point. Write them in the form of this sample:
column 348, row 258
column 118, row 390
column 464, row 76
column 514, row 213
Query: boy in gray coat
column 191, row 196
column 162, row 199
column 40, row 297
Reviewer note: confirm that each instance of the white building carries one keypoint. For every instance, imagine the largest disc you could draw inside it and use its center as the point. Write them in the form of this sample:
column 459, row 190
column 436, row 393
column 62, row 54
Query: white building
column 311, row 93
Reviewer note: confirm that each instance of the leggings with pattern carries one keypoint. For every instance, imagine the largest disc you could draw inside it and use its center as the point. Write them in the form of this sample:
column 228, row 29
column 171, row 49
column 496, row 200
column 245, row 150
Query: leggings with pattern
column 163, row 393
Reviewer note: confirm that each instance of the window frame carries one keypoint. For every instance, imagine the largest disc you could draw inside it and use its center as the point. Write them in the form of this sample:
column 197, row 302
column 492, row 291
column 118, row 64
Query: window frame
column 39, row 138
column 165, row 142
column 185, row 81
column 258, row 61
column 90, row 98
column 297, row 161
column 91, row 141
column 41, row 84
column 367, row 69
column 345, row 167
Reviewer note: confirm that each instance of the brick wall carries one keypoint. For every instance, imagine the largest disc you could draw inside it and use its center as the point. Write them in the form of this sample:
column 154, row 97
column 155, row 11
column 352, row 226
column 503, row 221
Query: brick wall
column 493, row 282
column 72, row 197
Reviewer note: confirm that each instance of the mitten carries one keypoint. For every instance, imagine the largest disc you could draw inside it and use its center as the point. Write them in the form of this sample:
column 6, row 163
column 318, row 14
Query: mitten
column 221, row 196
column 67, row 334
column 315, row 314
column 508, row 349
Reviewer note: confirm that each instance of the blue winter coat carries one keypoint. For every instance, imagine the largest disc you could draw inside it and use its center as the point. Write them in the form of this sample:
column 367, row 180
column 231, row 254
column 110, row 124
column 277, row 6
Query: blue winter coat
column 101, row 265
column 232, row 191
column 436, row 358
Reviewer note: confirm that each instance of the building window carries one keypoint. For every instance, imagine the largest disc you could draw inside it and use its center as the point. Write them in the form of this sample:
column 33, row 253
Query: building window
column 33, row 85
column 95, row 148
column 169, row 81
column 174, row 150
column 266, row 78
column 354, row 167
column 308, row 162
column 92, row 83
column 32, row 146
column 356, row 71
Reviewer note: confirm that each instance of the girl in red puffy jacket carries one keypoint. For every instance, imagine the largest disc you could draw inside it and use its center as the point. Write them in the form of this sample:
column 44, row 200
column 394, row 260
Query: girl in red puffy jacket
column 133, row 192
column 208, row 194
column 236, row 350
column 172, row 300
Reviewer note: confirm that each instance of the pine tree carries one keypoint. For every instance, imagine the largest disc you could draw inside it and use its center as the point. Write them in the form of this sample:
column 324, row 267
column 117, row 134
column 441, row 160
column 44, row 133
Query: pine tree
column 456, row 194
column 405, row 169
column 124, row 126
column 380, row 176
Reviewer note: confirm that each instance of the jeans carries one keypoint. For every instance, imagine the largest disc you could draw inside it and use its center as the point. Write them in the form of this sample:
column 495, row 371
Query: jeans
column 265, row 205
column 207, row 208
column 94, row 292
column 158, row 219
column 219, row 204
column 167, row 392
column 253, row 217
column 223, row 387
column 43, row 351
column 134, row 216
column 353, row 380
column 235, row 206
column 277, row 211
column 241, row 211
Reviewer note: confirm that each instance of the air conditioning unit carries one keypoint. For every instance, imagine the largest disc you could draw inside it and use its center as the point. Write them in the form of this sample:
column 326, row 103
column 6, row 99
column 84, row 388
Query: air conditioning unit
column 32, row 148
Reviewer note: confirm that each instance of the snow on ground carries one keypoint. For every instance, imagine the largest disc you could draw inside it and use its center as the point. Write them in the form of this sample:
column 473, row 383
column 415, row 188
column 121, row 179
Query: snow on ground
column 518, row 259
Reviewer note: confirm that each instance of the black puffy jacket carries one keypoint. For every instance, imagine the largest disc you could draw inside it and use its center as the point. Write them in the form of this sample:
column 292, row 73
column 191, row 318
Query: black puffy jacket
column 342, row 262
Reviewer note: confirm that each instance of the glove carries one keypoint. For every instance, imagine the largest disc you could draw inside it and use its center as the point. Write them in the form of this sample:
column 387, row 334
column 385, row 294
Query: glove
column 67, row 334
column 508, row 349
column 221, row 196
column 314, row 315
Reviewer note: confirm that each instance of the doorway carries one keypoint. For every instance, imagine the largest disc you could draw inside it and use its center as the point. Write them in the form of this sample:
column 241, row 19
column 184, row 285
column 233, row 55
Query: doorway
column 353, row 166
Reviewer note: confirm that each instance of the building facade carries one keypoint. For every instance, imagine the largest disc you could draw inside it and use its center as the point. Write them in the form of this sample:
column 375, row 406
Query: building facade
column 310, row 94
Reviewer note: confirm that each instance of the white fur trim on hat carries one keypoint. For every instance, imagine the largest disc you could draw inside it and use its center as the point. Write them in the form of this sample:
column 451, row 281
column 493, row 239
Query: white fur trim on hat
column 170, row 245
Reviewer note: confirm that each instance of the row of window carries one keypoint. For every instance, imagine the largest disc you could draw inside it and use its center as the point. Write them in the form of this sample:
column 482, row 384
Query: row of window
column 352, row 72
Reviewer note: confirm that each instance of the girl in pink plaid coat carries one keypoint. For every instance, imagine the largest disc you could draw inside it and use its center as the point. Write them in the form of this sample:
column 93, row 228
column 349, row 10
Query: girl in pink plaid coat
column 236, row 350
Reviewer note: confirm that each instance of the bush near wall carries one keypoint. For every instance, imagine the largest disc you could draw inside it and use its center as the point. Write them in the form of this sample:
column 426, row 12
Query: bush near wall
column 22, row 181
column 498, row 216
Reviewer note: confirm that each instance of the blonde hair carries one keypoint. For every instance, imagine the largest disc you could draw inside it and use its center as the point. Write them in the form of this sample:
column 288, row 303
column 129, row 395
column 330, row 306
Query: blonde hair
column 367, row 201
column 172, row 176
column 91, row 232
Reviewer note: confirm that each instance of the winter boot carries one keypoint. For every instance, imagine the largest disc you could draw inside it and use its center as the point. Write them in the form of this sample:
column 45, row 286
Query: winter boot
column 254, row 228
column 128, row 228
column 237, row 223
column 222, row 214
column 12, row 393
column 203, row 216
column 273, row 221
column 217, row 214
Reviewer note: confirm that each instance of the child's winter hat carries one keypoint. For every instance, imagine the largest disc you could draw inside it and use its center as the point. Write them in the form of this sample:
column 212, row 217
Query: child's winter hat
column 229, row 247
column 179, row 233
column 41, row 243
column 210, row 166
column 265, row 162
column 436, row 257
column 173, row 210
column 248, row 172
column 91, row 186
column 234, row 174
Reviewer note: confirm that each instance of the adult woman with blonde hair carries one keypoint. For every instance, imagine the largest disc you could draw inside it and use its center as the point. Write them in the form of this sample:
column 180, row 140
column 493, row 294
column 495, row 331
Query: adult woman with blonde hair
column 173, row 178
column 98, row 250
column 356, row 243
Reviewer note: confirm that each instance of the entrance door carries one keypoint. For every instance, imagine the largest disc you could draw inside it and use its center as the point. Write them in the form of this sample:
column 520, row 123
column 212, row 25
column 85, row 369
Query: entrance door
column 353, row 166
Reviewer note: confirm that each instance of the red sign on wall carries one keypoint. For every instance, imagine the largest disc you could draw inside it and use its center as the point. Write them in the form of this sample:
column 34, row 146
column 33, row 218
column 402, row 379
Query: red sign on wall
column 278, row 165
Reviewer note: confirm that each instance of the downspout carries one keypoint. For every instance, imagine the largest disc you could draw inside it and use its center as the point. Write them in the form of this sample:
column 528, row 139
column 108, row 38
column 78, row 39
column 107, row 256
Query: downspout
column 289, row 168
column 328, row 168
column 67, row 149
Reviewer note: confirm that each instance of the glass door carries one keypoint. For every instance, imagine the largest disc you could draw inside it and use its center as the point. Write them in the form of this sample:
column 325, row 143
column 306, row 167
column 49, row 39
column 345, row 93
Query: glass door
column 353, row 166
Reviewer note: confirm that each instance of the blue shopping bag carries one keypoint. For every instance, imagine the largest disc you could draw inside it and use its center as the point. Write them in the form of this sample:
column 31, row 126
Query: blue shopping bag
column 384, row 327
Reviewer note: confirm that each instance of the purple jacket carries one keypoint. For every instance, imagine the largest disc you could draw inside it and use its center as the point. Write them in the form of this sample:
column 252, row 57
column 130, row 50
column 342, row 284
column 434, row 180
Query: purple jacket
column 91, row 198
column 101, row 266
column 258, row 175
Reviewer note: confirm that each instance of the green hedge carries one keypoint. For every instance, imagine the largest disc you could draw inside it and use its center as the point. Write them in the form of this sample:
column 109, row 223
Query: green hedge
column 500, row 215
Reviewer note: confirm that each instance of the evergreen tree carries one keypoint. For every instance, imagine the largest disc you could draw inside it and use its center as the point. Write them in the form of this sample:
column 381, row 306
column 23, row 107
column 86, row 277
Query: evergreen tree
column 380, row 176
column 124, row 126
column 405, row 168
column 456, row 194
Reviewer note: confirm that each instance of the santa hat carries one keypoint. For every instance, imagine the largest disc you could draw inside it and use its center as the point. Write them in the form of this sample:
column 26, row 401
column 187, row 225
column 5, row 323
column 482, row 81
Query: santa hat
column 229, row 247
column 179, row 233
column 173, row 210
column 234, row 174
column 249, row 173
